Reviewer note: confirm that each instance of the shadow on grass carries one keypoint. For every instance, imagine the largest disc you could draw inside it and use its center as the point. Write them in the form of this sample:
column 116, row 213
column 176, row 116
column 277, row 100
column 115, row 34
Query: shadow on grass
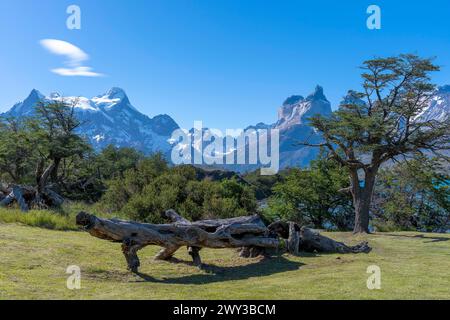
column 264, row 267
column 420, row 236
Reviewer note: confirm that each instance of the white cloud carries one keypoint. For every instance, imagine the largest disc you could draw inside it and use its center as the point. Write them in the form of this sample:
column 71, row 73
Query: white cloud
column 77, row 71
column 75, row 58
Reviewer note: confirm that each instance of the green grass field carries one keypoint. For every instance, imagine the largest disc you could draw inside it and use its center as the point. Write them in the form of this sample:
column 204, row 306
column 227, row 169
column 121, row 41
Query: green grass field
column 33, row 264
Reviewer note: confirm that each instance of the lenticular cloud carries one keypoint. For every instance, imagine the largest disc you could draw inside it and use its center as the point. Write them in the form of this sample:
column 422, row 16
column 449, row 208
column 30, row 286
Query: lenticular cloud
column 75, row 58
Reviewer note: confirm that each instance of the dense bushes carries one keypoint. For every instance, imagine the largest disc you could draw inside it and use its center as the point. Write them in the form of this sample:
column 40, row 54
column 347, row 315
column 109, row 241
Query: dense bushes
column 152, row 187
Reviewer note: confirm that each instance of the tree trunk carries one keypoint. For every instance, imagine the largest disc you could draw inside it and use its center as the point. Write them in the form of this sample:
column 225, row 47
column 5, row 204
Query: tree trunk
column 29, row 197
column 168, row 252
column 362, row 199
column 362, row 211
column 16, row 194
column 17, row 191
column 293, row 242
column 7, row 200
column 222, row 233
column 312, row 241
column 43, row 178
column 54, row 172
column 247, row 233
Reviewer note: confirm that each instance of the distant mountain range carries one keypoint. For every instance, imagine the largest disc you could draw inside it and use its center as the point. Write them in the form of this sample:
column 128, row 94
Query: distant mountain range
column 110, row 118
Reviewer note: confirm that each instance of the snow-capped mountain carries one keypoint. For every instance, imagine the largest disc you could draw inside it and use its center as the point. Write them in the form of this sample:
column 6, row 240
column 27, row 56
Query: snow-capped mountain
column 439, row 108
column 296, row 109
column 109, row 118
column 293, row 129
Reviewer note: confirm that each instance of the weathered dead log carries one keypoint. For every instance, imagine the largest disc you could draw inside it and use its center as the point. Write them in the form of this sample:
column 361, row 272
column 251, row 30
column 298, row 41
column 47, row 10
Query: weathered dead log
column 312, row 241
column 17, row 191
column 293, row 240
column 223, row 233
column 211, row 225
column 175, row 217
column 252, row 252
column 168, row 252
column 247, row 233
column 29, row 197
column 15, row 194
column 54, row 199
column 4, row 188
column 7, row 200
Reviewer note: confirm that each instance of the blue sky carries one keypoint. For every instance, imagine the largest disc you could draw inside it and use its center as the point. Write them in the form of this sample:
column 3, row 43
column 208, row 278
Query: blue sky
column 228, row 63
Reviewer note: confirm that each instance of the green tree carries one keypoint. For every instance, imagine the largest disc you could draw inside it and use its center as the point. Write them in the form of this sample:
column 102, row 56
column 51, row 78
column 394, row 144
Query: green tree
column 413, row 195
column 382, row 123
column 112, row 161
column 17, row 152
column 230, row 198
column 261, row 184
column 55, row 139
column 315, row 196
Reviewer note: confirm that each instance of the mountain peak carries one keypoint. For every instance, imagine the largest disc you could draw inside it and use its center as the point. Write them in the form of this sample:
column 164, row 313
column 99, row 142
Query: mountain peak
column 108, row 119
column 296, row 110
column 116, row 93
column 293, row 100
column 27, row 106
column 317, row 95
column 115, row 98
column 164, row 125
column 35, row 94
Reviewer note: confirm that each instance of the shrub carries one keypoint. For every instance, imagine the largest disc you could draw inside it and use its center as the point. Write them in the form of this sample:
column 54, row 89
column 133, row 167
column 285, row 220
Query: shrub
column 145, row 193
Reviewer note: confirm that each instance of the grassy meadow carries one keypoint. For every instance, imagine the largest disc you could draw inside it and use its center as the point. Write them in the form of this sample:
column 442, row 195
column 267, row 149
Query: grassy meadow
column 33, row 262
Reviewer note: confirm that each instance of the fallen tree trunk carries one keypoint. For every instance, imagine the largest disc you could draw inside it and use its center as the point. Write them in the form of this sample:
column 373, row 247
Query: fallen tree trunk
column 312, row 241
column 168, row 252
column 223, row 233
column 15, row 194
column 247, row 233
column 293, row 242
column 211, row 225
column 20, row 200
column 28, row 197
column 7, row 200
